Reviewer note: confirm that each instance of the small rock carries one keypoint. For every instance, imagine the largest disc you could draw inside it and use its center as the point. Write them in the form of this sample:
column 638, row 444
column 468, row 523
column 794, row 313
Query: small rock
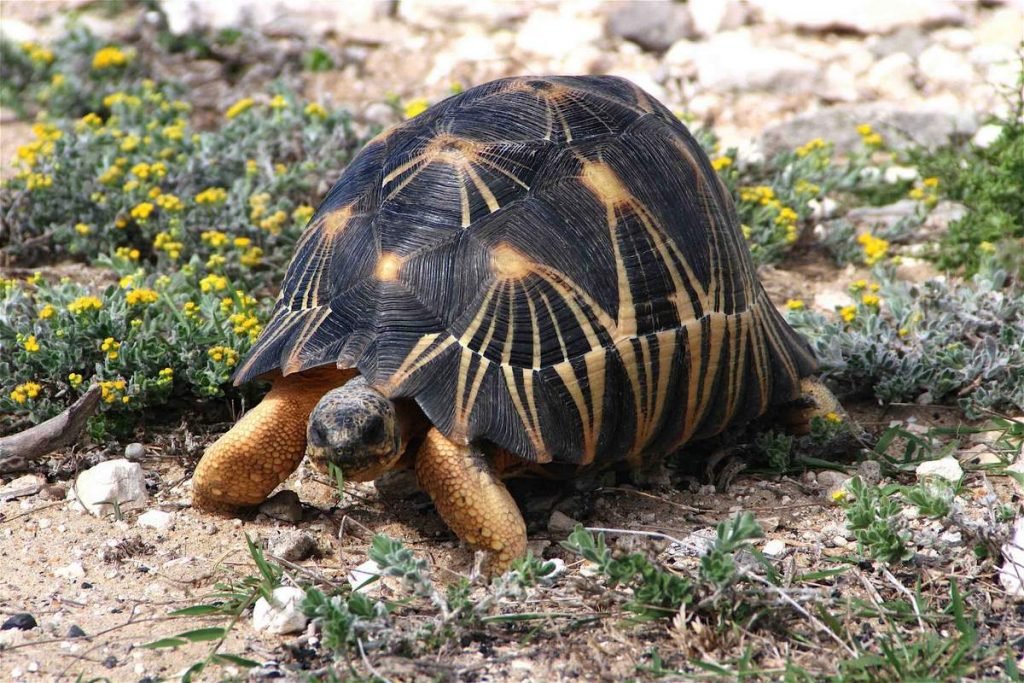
column 774, row 548
column 72, row 572
column 823, row 208
column 951, row 537
column 839, row 542
column 914, row 269
column 944, row 67
column 869, row 471
column 831, row 299
column 561, row 524
column 870, row 17
column 979, row 455
column 944, row 468
column 22, row 621
column 75, row 632
column 293, row 546
column 547, row 33
column 872, row 217
column 1011, row 573
column 892, row 76
column 730, row 61
column 828, row 479
column 380, row 114
column 711, row 16
column 53, row 492
column 110, row 661
column 362, row 578
column 283, row 505
column 114, row 481
column 135, row 451
column 27, row 485
column 156, row 519
column 653, row 25
column 939, row 218
column 696, row 544
column 281, row 614
column 899, row 174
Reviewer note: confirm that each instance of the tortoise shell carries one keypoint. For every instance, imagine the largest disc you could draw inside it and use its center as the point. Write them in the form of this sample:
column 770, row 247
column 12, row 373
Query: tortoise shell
column 547, row 264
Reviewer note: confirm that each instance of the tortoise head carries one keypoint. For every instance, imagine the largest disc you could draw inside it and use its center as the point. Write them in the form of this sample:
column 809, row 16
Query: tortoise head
column 356, row 428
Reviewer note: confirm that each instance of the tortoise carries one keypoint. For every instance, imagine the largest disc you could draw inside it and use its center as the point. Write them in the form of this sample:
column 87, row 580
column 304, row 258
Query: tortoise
column 538, row 270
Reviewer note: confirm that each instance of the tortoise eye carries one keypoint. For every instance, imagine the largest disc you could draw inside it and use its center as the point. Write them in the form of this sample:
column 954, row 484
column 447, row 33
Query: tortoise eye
column 373, row 432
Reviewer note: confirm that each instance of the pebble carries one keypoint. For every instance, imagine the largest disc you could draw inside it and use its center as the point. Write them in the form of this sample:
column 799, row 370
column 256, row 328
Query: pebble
column 869, row 16
column 561, row 524
column 26, row 485
column 22, row 621
column 72, row 572
column 156, row 519
column 944, row 67
column 652, row 24
column 986, row 135
column 293, row 546
column 730, row 61
column 135, row 451
column 774, row 548
column 944, row 468
column 870, row 471
column 283, row 505
column 1011, row 573
column 74, row 631
column 281, row 614
column 828, row 479
column 112, row 481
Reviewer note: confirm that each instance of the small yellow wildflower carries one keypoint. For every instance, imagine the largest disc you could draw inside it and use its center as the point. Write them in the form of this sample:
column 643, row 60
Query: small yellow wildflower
column 759, row 194
column 810, row 146
column 875, row 248
column 173, row 132
column 82, row 229
column 241, row 242
column 252, row 257
column 278, row 102
column 848, row 313
column 223, row 354
column 795, row 304
column 213, row 283
column 719, row 163
column 986, row 247
column 142, row 211
column 37, row 181
column 786, row 216
column 165, row 375
column 215, row 238
column 127, row 253
column 109, row 57
column 31, row 345
column 258, row 205
column 302, row 214
column 110, row 176
column 75, row 380
column 130, row 186
column 931, row 181
column 414, row 108
column 250, row 167
column 903, row 332
column 212, row 195
column 872, row 300
column 37, row 53
column 839, row 495
column 57, row 80
column 747, row 231
column 110, row 346
column 141, row 296
column 140, row 170
column 169, row 202
column 110, row 390
column 126, row 282
column 833, row 418
column 808, row 188
column 24, row 392
column 239, row 107
column 85, row 303
column 216, row 261
column 280, row 169
column 191, row 309
column 46, row 312
column 130, row 143
column 273, row 222
column 315, row 110
column 91, row 120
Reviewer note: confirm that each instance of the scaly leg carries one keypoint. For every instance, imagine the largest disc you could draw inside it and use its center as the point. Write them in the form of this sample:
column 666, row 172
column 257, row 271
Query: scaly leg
column 244, row 465
column 471, row 499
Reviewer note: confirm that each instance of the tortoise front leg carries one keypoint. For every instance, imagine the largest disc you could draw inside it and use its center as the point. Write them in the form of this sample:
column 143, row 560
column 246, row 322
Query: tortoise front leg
column 471, row 499
column 244, row 465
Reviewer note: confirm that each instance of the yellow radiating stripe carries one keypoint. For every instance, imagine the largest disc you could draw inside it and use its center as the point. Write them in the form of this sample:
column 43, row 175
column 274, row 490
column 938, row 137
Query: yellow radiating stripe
column 465, row 356
column 633, row 370
column 666, row 350
column 595, row 361
column 561, row 119
column 415, row 161
column 764, row 377
column 481, row 187
column 280, row 325
column 416, row 360
column 464, row 198
column 506, row 351
column 531, row 422
column 684, row 306
column 565, row 286
column 412, row 177
column 568, row 375
column 558, row 331
column 474, row 325
column 313, row 320
column 497, row 167
column 534, row 329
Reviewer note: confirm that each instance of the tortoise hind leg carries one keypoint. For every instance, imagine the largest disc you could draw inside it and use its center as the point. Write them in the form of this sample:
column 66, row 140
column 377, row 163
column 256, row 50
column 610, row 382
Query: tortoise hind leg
column 471, row 499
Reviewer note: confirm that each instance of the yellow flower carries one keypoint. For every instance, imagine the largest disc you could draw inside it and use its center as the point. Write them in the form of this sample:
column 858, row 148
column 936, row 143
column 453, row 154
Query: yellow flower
column 127, row 253
column 169, row 202
column 903, row 332
column 91, row 120
column 239, row 107
column 875, row 248
column 108, row 57
column 280, row 169
column 786, row 216
column 166, row 375
column 747, row 231
column 251, row 167
column 807, row 188
column 82, row 229
column 215, row 261
column 258, row 205
column 760, row 194
column 37, row 53
column 212, row 195
column 719, row 163
column 315, row 110
column 31, row 345
column 85, row 303
column 46, row 311
column 75, row 380
column 57, row 80
column 930, row 182
column 215, row 238
column 986, row 247
column 173, row 132
column 848, row 313
column 279, row 102
column 795, row 304
column 302, row 214
column 414, row 108
column 130, row 143
column 839, row 495
column 130, row 186
column 141, row 296
column 213, row 283
column 141, row 211
column 223, row 354
column 38, row 181
column 833, row 418
column 191, row 309
column 110, row 390
column 858, row 286
column 872, row 300
column 110, row 346
column 865, row 129
column 23, row 392
column 810, row 146
column 110, row 176
column 241, row 242
column 140, row 170
column 252, row 257
column 273, row 222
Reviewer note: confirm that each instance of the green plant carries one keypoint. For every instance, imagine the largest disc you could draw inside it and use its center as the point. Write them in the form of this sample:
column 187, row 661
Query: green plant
column 873, row 516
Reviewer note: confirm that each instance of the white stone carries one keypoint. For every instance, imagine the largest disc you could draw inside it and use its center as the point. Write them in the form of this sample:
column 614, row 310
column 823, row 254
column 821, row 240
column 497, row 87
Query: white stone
column 281, row 614
column 944, row 468
column 71, row 572
column 824, row 208
column 553, row 34
column 1011, row 574
column 840, row 84
column 711, row 16
column 156, row 519
column 892, row 76
column 987, row 134
column 112, row 482
column 730, row 60
column 774, row 548
column 897, row 174
column 944, row 67
column 361, row 578
column 830, row 300
column 865, row 16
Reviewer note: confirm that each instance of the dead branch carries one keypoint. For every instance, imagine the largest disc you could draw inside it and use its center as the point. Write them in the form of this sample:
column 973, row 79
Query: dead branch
column 18, row 450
